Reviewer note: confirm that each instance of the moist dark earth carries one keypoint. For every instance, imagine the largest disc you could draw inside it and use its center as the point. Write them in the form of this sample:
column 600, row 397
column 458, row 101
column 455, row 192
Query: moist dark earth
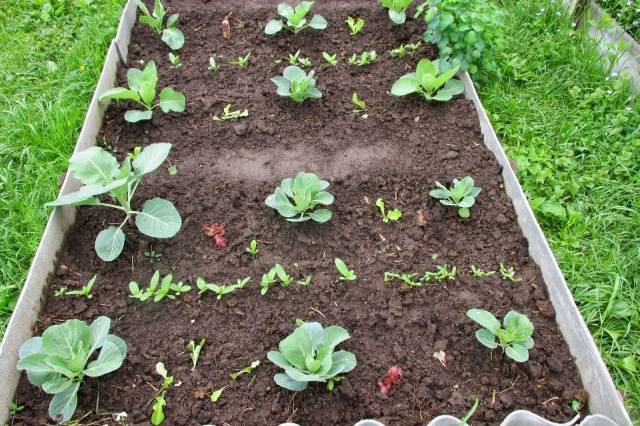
column 225, row 171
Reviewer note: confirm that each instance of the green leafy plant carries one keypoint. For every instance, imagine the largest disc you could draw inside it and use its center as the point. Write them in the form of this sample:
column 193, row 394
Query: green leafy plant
column 246, row 370
column 219, row 289
column 85, row 291
column 477, row 272
column 15, row 408
column 142, row 90
column 171, row 35
column 305, row 281
column 432, row 79
column 194, row 350
column 365, row 58
column 213, row 64
column 167, row 289
column 355, row 25
column 216, row 394
column 294, row 19
column 307, row 355
column 359, row 103
column 467, row 416
column 508, row 273
column 253, row 250
column 284, row 278
column 397, row 9
column 242, row 61
column 514, row 337
column 442, row 272
column 295, row 58
column 404, row 49
column 59, row 360
column 159, row 401
column 229, row 115
column 297, row 198
column 388, row 216
column 100, row 173
column 153, row 256
column 174, row 60
column 332, row 59
column 346, row 274
column 462, row 194
column 268, row 280
column 406, row 278
column 297, row 85
column 576, row 406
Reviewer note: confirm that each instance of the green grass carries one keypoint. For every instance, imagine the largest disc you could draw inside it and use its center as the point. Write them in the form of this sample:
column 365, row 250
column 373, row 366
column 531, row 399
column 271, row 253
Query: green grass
column 574, row 132
column 48, row 69
column 626, row 13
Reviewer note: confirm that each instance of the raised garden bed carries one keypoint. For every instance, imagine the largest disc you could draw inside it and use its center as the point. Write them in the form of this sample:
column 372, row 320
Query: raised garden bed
column 225, row 172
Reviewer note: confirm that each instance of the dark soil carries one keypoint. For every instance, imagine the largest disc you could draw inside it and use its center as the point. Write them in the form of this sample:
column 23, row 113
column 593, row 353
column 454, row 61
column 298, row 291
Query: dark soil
column 225, row 171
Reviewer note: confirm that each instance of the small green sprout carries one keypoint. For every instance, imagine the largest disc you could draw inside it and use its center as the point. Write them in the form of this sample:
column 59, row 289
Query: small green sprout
column 246, row 370
column 406, row 278
column 216, row 394
column 404, row 49
column 397, row 9
column 14, row 408
column 229, row 115
column 219, row 289
column 268, row 280
column 171, row 35
column 462, row 194
column 285, row 279
column 213, row 64
column 296, row 84
column 172, row 170
column 355, row 25
column 306, row 280
column 174, row 60
column 152, row 255
column 359, row 103
column 346, row 274
column 332, row 59
column 167, row 289
column 159, row 401
column 193, row 350
column 474, row 407
column 576, row 406
column 253, row 250
column 365, row 58
column 477, row 272
column 515, row 338
column 331, row 383
column 442, row 272
column 431, row 79
column 242, row 61
column 388, row 216
column 85, row 291
column 508, row 273
column 61, row 291
column 295, row 59
column 294, row 19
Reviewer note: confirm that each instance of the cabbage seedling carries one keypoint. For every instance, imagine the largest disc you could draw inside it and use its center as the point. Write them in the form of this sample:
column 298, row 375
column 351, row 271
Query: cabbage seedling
column 508, row 273
column 332, row 59
column 174, row 60
column 346, row 274
column 167, row 289
column 213, row 64
column 157, row 415
column 242, row 61
column 307, row 355
column 404, row 49
column 462, row 195
column 100, row 173
column 397, row 9
column 359, row 103
column 365, row 58
column 477, row 272
column 253, row 250
column 388, row 216
column 219, row 289
column 246, row 370
column 142, row 90
column 294, row 19
column 433, row 80
column 355, row 25
column 59, row 360
column 229, row 115
column 296, row 84
column 514, row 337
column 194, row 350
column 171, row 35
column 297, row 198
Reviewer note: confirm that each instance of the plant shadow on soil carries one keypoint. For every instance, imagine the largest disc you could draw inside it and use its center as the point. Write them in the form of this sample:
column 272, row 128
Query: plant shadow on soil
column 226, row 170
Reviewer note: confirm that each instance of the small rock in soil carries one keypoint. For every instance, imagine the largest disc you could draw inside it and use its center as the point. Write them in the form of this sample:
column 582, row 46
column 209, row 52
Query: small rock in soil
column 240, row 129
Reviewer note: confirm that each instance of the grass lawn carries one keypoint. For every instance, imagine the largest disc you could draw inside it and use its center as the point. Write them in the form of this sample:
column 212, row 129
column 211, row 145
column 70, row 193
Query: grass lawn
column 575, row 135
column 48, row 69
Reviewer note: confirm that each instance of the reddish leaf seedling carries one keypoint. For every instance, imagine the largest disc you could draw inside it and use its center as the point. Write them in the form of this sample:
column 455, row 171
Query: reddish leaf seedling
column 393, row 377
column 216, row 232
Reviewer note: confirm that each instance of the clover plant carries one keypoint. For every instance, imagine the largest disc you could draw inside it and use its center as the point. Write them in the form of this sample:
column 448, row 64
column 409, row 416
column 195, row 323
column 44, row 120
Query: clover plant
column 355, row 25
column 171, row 35
column 220, row 289
column 390, row 215
column 346, row 274
column 514, row 337
column 231, row 115
column 365, row 58
column 307, row 355
column 100, row 173
column 142, row 90
column 462, row 194
column 296, row 84
column 432, row 79
column 294, row 19
column 167, row 288
column 297, row 198
column 59, row 360
column 397, row 9
column 332, row 59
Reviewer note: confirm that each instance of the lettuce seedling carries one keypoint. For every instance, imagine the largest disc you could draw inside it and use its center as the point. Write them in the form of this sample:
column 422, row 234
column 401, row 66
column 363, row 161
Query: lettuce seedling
column 142, row 90
column 59, row 360
column 477, row 272
column 294, row 83
column 295, row 58
column 331, row 59
column 167, row 289
column 508, row 273
column 171, row 35
column 228, row 114
column 294, row 19
column 355, row 25
column 285, row 279
column 359, row 103
column 174, row 60
column 159, row 402
column 100, row 173
column 253, row 250
column 296, row 198
column 246, row 370
column 346, row 274
column 307, row 355
column 85, row 291
column 365, row 58
column 433, row 80
column 194, row 350
column 388, row 216
column 268, row 280
column 397, row 9
column 462, row 195
column 514, row 338
column 213, row 64
column 220, row 289
column 242, row 61
column 442, row 272
column 406, row 278
column 404, row 49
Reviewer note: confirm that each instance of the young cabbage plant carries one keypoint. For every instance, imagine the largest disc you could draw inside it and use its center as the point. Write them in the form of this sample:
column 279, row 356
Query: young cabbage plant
column 142, row 90
column 365, row 58
column 332, row 59
column 462, row 195
column 297, row 198
column 296, row 84
column 294, row 19
column 397, row 9
column 100, row 173
column 307, row 355
column 167, row 289
column 171, row 35
column 388, row 216
column 433, row 80
column 59, row 360
column 514, row 337
column 219, row 289
column 346, row 274
column 355, row 25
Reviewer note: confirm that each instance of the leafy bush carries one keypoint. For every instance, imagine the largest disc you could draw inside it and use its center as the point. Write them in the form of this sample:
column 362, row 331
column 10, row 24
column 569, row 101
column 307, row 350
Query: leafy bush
column 100, row 173
column 57, row 361
column 397, row 9
column 515, row 338
column 307, row 355
column 296, row 84
column 296, row 198
column 433, row 80
column 462, row 195
column 294, row 19
column 468, row 32
column 171, row 35
column 142, row 89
